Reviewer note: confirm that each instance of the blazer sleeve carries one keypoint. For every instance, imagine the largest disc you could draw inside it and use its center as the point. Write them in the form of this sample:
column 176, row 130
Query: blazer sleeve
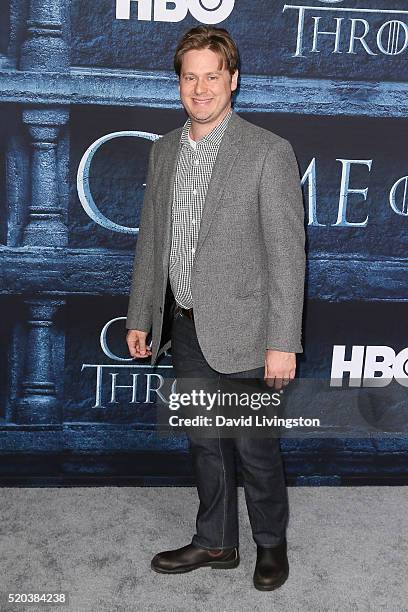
column 140, row 308
column 282, row 225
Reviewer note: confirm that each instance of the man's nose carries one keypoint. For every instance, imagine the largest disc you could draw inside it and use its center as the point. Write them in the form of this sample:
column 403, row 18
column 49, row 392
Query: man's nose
column 200, row 86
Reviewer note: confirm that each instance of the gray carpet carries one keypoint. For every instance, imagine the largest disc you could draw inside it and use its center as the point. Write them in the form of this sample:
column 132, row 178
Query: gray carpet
column 347, row 549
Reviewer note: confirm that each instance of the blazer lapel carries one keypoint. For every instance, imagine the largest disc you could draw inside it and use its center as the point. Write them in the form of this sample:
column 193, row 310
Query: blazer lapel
column 223, row 165
column 170, row 158
column 225, row 160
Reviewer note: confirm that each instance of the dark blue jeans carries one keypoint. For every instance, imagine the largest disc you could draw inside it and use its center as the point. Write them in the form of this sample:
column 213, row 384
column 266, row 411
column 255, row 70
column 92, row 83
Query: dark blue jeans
column 214, row 463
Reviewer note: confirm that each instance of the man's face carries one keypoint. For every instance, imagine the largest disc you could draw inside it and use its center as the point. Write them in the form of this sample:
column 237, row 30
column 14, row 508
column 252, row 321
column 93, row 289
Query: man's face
column 205, row 89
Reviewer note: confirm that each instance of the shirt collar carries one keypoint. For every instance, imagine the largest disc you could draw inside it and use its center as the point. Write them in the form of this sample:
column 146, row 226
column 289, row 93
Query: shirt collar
column 214, row 137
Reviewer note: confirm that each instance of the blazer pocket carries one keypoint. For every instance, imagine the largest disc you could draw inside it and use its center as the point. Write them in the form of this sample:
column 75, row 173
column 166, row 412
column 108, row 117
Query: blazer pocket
column 229, row 209
column 230, row 202
column 252, row 289
column 252, row 294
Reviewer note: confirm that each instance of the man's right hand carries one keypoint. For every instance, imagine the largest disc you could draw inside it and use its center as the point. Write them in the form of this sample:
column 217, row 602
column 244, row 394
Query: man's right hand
column 136, row 341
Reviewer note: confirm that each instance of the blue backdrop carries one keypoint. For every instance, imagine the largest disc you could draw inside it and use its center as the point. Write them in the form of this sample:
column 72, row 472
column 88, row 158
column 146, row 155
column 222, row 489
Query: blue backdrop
column 328, row 75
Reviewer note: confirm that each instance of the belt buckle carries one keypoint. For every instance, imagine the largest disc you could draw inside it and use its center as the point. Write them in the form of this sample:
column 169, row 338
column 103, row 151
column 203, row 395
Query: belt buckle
column 179, row 310
column 185, row 312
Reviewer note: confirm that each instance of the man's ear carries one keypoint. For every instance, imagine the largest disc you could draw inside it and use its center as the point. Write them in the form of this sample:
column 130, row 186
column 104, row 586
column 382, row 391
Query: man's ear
column 234, row 80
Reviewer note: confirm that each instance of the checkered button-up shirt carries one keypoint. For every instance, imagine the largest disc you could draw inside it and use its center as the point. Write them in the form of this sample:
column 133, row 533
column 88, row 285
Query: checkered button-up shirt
column 193, row 174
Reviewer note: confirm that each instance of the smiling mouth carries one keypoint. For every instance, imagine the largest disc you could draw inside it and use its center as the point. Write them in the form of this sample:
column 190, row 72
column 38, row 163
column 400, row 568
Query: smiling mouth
column 198, row 101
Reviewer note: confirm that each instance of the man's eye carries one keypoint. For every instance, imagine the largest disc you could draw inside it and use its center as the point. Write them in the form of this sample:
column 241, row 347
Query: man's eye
column 213, row 77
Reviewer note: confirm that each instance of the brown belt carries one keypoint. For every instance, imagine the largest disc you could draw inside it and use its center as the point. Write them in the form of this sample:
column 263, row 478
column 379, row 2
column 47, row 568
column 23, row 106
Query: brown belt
column 187, row 312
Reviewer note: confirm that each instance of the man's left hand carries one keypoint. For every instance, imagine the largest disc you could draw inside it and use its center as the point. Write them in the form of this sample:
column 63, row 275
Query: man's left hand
column 280, row 368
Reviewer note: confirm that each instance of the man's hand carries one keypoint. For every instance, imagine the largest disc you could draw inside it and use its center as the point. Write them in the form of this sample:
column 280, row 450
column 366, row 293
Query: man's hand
column 280, row 368
column 136, row 341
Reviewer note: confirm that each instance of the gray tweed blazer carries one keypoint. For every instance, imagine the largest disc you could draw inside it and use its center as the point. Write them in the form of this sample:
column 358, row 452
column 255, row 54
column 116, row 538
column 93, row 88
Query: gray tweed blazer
column 248, row 273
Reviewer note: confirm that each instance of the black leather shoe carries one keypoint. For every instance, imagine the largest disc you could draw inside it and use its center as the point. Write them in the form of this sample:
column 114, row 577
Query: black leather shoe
column 191, row 557
column 272, row 567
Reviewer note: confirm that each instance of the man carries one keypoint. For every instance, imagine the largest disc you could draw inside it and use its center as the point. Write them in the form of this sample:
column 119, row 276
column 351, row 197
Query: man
column 222, row 239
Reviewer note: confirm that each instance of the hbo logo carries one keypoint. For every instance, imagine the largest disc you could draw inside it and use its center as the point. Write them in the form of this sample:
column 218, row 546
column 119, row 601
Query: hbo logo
column 371, row 366
column 206, row 11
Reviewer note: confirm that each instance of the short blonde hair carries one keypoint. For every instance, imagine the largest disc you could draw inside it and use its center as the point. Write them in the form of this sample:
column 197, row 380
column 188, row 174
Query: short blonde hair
column 208, row 37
